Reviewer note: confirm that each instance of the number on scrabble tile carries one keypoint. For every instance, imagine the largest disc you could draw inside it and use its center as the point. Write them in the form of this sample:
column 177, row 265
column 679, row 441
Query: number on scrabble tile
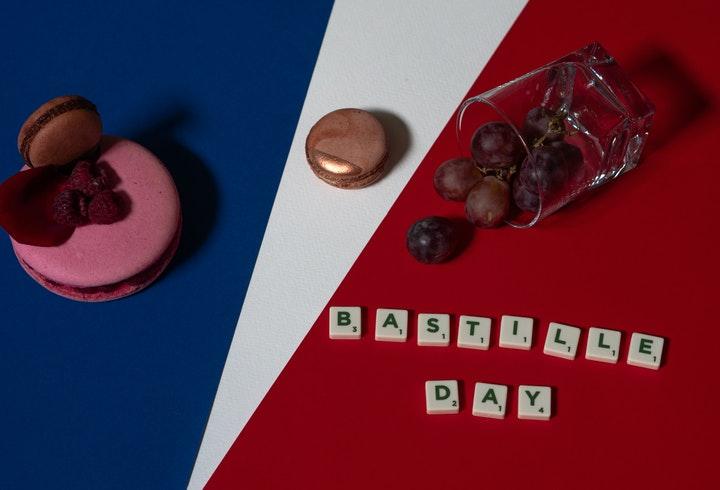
column 433, row 329
column 534, row 402
column 345, row 322
column 645, row 350
column 391, row 325
column 442, row 397
column 562, row 341
column 489, row 400
column 516, row 332
column 474, row 332
column 603, row 345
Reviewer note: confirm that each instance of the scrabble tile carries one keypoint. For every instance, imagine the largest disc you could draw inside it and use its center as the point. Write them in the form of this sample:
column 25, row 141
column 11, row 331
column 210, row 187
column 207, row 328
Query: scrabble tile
column 516, row 332
column 345, row 322
column 534, row 402
column 603, row 345
column 490, row 400
column 442, row 397
column 562, row 341
column 645, row 350
column 433, row 329
column 474, row 332
column 391, row 325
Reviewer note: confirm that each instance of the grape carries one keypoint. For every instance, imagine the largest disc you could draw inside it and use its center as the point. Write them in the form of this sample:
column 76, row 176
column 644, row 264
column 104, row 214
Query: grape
column 548, row 169
column 454, row 178
column 526, row 199
column 432, row 240
column 488, row 203
column 541, row 122
column 496, row 145
column 544, row 171
column 571, row 153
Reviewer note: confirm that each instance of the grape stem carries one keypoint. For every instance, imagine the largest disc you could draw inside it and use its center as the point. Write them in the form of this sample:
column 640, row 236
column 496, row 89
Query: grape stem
column 503, row 174
column 555, row 128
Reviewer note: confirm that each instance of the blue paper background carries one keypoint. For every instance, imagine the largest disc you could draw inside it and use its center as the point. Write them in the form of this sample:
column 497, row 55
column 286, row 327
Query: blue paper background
column 117, row 395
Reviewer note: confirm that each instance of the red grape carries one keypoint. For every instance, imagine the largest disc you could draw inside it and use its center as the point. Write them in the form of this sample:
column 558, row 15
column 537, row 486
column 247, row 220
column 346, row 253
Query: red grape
column 496, row 145
column 488, row 203
column 547, row 170
column 454, row 178
column 544, row 170
column 541, row 122
column 432, row 240
column 525, row 199
column 571, row 153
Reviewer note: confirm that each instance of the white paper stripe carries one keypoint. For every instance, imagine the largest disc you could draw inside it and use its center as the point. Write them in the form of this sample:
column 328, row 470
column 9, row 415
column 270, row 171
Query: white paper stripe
column 412, row 61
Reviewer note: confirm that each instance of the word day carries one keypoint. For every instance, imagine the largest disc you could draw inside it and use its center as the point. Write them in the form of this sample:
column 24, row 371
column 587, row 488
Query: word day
column 489, row 400
column 516, row 332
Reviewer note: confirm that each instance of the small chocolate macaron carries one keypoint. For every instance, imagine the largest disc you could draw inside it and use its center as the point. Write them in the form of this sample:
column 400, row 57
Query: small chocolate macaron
column 60, row 131
column 347, row 148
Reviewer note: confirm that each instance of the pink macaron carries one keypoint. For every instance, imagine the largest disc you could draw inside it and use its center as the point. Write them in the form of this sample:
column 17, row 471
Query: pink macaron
column 102, row 262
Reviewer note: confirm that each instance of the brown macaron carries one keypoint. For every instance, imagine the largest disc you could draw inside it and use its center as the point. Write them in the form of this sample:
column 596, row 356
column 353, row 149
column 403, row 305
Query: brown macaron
column 347, row 148
column 60, row 131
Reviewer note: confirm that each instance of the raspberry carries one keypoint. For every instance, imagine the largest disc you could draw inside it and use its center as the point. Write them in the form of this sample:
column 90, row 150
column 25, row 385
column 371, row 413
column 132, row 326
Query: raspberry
column 70, row 208
column 80, row 177
column 105, row 208
column 87, row 178
column 105, row 175
column 96, row 185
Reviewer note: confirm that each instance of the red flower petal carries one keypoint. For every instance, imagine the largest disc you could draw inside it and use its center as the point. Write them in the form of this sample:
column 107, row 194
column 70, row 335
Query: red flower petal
column 26, row 207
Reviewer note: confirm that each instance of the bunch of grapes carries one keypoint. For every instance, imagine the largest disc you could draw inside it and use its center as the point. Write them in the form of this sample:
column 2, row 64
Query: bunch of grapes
column 500, row 170
column 552, row 161
column 500, row 173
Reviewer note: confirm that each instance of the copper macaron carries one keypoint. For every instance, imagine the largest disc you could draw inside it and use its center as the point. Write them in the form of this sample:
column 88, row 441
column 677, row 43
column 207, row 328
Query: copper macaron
column 347, row 148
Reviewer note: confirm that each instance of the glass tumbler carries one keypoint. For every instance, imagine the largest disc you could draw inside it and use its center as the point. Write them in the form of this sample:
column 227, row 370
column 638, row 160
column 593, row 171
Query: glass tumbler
column 578, row 123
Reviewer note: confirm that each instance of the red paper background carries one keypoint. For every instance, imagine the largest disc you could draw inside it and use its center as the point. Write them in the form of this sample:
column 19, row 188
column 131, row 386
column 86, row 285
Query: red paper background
column 639, row 255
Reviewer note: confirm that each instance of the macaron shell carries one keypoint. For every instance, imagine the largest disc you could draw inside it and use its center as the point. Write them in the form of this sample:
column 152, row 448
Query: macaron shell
column 51, row 146
column 100, row 255
column 64, row 137
column 363, row 181
column 110, row 292
column 347, row 148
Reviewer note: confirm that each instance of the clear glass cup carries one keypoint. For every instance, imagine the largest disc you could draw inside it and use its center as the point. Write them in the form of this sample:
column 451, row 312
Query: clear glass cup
column 592, row 105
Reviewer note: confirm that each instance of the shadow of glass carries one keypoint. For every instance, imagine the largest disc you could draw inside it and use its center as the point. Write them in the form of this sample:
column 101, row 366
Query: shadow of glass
column 679, row 100
column 680, row 103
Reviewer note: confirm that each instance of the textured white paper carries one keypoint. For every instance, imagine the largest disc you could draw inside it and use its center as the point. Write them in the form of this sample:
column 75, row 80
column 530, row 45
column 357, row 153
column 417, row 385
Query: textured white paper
column 409, row 61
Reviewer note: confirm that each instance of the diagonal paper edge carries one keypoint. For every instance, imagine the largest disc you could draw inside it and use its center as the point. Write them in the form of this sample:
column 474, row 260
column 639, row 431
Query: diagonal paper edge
column 409, row 62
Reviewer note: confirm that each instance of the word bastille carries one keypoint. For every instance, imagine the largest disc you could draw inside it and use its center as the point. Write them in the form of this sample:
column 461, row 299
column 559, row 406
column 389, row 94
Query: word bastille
column 516, row 332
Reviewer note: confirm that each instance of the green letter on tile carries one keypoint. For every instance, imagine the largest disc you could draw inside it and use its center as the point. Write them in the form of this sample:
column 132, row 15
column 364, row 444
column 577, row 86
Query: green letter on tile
column 390, row 320
column 433, row 325
column 490, row 395
column 646, row 346
column 442, row 392
column 557, row 337
column 601, row 342
column 472, row 326
column 343, row 318
column 532, row 397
